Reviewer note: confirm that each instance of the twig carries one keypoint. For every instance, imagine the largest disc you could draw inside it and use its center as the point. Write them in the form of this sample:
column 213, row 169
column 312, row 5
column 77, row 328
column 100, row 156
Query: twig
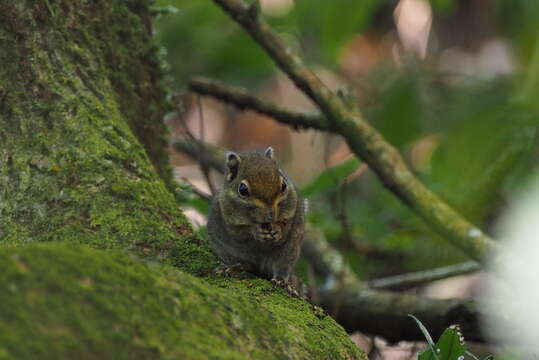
column 342, row 215
column 421, row 277
column 243, row 100
column 362, row 139
column 196, row 191
column 214, row 156
column 195, row 148
column 203, row 165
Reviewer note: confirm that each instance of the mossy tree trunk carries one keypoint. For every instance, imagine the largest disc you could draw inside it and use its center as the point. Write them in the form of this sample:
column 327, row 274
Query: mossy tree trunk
column 97, row 258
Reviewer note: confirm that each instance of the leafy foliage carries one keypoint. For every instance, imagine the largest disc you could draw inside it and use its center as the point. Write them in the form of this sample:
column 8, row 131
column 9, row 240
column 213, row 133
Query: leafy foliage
column 472, row 139
column 450, row 346
column 317, row 27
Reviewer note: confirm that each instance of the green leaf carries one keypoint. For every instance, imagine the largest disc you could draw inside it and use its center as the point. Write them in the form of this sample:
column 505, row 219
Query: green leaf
column 331, row 177
column 451, row 346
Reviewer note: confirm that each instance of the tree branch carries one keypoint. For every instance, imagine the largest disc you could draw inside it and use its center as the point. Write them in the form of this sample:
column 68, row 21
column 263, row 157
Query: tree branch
column 421, row 277
column 386, row 314
column 243, row 100
column 211, row 155
column 362, row 139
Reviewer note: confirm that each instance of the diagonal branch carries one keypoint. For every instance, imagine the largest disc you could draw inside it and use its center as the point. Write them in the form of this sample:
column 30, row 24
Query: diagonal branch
column 249, row 18
column 363, row 139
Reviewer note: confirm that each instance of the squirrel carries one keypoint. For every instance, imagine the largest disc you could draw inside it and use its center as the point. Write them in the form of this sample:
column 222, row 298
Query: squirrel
column 257, row 219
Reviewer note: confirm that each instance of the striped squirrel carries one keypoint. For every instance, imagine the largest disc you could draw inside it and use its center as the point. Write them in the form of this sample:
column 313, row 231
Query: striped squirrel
column 256, row 222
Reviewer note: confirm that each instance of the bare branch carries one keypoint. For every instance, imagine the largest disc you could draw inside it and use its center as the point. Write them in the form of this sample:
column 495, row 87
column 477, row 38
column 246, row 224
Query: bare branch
column 204, row 168
column 196, row 191
column 243, row 100
column 364, row 140
column 212, row 155
column 420, row 277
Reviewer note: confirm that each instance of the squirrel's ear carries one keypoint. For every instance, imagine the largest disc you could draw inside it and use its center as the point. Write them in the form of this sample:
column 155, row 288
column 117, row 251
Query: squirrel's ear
column 269, row 152
column 232, row 165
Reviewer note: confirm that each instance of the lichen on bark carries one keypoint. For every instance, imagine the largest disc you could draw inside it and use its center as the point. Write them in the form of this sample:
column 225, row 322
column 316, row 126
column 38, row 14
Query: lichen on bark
column 98, row 257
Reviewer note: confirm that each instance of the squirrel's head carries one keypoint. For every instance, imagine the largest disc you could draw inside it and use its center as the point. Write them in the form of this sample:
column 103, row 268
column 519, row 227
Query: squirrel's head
column 256, row 191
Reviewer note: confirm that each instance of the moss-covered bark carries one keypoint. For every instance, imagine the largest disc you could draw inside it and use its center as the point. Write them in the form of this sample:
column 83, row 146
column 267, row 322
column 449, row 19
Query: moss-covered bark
column 74, row 302
column 76, row 78
column 83, row 162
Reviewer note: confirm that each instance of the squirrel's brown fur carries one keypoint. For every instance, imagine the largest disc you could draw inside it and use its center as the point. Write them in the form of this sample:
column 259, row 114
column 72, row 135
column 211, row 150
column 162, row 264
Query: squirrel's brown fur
column 260, row 225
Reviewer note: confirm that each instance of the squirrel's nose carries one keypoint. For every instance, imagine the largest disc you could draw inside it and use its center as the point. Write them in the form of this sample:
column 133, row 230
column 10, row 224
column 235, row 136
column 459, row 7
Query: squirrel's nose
column 270, row 216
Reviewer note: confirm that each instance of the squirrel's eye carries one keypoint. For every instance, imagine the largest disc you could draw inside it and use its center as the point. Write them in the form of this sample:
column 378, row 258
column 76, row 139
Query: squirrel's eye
column 283, row 185
column 243, row 190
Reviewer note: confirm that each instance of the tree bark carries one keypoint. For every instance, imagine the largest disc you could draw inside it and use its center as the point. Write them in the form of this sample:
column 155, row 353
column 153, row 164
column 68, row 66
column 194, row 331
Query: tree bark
column 83, row 164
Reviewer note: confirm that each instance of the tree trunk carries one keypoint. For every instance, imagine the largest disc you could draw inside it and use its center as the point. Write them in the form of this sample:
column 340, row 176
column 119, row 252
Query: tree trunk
column 83, row 161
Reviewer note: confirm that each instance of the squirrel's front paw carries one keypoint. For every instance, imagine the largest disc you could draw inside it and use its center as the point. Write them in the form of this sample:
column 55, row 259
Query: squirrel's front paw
column 268, row 234
column 231, row 270
column 288, row 286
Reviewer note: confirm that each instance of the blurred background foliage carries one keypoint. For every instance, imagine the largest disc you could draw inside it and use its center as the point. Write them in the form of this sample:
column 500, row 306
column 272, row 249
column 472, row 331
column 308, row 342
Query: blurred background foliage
column 452, row 84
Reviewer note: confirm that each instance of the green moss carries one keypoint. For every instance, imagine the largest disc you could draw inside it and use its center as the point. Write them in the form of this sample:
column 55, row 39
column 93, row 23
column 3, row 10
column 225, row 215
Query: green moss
column 62, row 302
column 109, row 51
column 70, row 167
